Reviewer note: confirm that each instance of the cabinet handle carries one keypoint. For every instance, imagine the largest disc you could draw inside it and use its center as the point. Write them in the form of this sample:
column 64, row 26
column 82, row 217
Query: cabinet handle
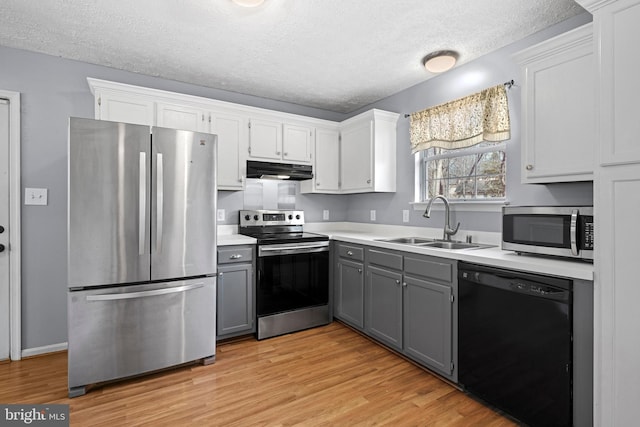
column 277, row 153
column 529, row 167
column 220, row 275
column 404, row 284
column 285, row 154
column 397, row 282
column 317, row 184
column 349, row 253
column 359, row 270
column 368, row 181
column 235, row 256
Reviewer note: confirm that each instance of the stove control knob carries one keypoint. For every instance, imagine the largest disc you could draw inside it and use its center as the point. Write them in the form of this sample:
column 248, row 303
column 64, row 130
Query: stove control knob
column 247, row 217
column 290, row 216
column 255, row 217
column 297, row 216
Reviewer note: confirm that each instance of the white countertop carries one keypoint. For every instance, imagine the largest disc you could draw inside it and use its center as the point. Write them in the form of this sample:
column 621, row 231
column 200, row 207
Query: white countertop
column 494, row 256
column 227, row 235
column 366, row 234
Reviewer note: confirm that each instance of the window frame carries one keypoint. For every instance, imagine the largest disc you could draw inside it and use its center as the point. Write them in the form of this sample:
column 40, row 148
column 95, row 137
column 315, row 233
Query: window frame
column 421, row 159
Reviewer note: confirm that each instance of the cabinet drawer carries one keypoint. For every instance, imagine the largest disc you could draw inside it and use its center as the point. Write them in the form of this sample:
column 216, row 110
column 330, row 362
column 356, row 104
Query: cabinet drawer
column 385, row 259
column 230, row 254
column 429, row 267
column 351, row 252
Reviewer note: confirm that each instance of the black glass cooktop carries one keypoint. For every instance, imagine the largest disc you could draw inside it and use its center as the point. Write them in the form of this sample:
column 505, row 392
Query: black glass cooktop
column 279, row 238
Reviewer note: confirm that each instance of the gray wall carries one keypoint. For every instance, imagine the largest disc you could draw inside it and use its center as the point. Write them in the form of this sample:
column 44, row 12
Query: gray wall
column 487, row 71
column 53, row 89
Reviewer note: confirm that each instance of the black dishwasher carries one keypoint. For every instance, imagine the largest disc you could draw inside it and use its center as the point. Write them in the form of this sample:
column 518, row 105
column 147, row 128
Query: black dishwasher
column 514, row 342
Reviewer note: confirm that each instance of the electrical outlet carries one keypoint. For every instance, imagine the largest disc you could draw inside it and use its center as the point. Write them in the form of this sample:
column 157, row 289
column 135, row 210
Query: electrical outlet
column 325, row 214
column 221, row 215
column 405, row 215
column 373, row 215
column 35, row 196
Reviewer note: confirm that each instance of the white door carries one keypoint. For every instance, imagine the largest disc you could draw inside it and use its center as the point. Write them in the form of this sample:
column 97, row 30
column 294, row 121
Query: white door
column 4, row 229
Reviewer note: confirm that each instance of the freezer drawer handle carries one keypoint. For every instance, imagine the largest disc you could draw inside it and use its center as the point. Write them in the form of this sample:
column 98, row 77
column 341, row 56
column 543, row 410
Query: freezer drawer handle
column 142, row 194
column 143, row 294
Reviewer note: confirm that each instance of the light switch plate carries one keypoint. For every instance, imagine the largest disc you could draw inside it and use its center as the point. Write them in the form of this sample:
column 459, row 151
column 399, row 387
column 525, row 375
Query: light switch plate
column 405, row 215
column 325, row 214
column 221, row 215
column 373, row 215
column 35, row 196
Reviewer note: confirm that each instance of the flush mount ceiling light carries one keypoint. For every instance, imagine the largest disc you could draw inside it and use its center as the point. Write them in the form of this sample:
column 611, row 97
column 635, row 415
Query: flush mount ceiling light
column 248, row 3
column 440, row 61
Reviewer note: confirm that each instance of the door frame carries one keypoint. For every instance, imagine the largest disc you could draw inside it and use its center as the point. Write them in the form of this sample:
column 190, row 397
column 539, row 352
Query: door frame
column 15, row 272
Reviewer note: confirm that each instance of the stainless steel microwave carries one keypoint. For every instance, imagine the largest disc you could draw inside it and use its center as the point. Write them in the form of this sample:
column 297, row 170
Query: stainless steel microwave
column 564, row 231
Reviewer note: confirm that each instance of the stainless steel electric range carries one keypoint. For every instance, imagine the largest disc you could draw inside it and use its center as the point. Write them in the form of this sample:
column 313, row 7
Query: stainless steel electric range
column 292, row 288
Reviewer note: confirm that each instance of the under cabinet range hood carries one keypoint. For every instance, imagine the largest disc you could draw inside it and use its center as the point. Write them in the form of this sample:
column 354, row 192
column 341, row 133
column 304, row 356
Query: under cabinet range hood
column 268, row 170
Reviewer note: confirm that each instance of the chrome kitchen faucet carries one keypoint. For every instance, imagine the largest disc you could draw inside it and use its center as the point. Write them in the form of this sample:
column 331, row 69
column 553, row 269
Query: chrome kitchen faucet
column 448, row 231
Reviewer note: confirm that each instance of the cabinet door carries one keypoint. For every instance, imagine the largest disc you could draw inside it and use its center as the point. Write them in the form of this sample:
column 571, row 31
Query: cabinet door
column 297, row 143
column 235, row 299
column 559, row 109
column 356, row 153
column 619, row 87
column 182, row 117
column 126, row 108
column 232, row 141
column 383, row 306
column 265, row 139
column 327, row 161
column 427, row 323
column 350, row 293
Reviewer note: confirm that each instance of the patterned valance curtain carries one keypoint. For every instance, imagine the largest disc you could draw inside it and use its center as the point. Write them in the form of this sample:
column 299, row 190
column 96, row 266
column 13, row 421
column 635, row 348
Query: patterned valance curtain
column 483, row 116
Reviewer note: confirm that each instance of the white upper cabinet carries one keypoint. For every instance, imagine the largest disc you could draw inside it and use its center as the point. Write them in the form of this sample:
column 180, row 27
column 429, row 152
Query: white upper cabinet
column 618, row 37
column 122, row 107
column 183, row 117
column 274, row 140
column 326, row 165
column 357, row 155
column 558, row 108
column 297, row 141
column 232, row 133
column 368, row 153
column 265, row 139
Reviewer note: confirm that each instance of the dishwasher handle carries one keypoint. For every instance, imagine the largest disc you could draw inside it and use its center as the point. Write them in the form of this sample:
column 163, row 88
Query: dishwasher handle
column 515, row 283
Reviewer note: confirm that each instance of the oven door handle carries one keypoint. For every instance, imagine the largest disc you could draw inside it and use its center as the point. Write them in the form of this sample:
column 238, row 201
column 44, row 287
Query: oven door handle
column 297, row 249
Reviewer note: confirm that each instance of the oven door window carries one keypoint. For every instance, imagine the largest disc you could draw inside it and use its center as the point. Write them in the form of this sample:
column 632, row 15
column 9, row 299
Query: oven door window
column 290, row 282
column 551, row 231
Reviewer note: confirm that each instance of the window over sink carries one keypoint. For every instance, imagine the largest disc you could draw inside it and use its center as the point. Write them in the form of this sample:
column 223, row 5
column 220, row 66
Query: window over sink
column 476, row 173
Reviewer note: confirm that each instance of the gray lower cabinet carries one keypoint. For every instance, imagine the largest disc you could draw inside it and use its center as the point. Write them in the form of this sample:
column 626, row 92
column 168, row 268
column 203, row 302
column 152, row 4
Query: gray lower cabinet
column 349, row 285
column 408, row 301
column 383, row 296
column 236, row 292
column 427, row 324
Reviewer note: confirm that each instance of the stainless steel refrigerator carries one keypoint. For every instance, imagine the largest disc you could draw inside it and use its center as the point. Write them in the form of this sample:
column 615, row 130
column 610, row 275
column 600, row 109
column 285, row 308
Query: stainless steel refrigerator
column 141, row 250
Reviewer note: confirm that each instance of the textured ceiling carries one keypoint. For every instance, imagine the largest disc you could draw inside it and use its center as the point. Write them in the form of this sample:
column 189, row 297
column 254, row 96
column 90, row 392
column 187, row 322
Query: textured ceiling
column 338, row 55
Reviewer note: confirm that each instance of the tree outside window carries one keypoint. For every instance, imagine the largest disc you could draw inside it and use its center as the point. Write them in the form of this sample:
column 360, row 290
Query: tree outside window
column 475, row 173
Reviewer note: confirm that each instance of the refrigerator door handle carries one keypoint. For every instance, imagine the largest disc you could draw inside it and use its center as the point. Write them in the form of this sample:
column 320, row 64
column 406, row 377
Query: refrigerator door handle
column 143, row 294
column 142, row 202
column 159, row 201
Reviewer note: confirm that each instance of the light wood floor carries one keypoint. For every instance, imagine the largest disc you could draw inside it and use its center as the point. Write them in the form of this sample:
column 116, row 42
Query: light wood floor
column 328, row 376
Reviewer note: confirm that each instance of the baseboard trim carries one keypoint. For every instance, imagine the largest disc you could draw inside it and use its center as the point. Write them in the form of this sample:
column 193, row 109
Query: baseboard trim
column 39, row 351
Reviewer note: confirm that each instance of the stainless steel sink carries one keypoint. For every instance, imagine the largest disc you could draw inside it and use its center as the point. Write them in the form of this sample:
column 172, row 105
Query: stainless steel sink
column 435, row 243
column 452, row 245
column 409, row 240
